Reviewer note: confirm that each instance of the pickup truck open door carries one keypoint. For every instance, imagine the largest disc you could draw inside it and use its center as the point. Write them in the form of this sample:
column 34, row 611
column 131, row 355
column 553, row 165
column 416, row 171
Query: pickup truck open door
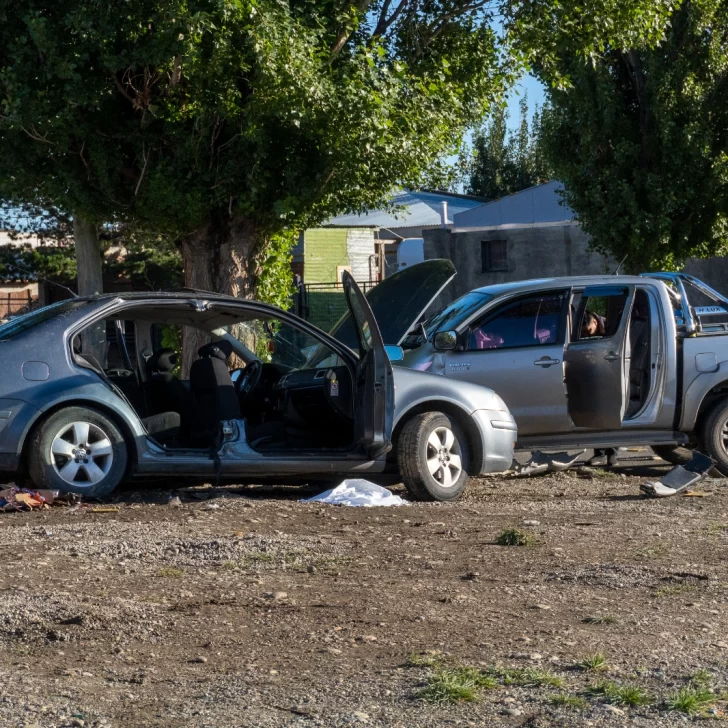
column 597, row 367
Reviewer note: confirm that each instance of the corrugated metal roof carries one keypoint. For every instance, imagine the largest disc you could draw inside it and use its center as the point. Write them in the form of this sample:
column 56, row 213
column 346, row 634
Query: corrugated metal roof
column 422, row 209
column 535, row 205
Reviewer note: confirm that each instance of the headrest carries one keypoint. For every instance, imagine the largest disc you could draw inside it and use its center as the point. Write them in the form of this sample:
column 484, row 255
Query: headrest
column 163, row 360
column 216, row 349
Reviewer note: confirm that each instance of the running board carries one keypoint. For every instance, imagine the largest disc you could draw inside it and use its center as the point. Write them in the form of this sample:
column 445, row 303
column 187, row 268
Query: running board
column 600, row 440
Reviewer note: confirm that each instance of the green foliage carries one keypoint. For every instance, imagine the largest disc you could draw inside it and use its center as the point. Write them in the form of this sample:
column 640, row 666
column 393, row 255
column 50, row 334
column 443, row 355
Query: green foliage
column 172, row 339
column 51, row 262
column 275, row 281
column 455, row 685
column 617, row 694
column 514, row 537
column 575, row 702
column 692, row 699
column 503, row 161
column 639, row 141
column 204, row 118
column 594, row 663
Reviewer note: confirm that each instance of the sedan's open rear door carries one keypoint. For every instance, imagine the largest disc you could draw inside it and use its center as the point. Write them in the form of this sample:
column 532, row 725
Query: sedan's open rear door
column 374, row 385
column 597, row 365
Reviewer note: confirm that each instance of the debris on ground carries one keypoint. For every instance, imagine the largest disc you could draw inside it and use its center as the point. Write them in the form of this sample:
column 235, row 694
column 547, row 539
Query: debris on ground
column 358, row 492
column 680, row 478
column 15, row 498
column 541, row 463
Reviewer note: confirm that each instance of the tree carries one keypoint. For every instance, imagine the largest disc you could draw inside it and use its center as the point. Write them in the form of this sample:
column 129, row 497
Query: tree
column 640, row 141
column 226, row 123
column 505, row 162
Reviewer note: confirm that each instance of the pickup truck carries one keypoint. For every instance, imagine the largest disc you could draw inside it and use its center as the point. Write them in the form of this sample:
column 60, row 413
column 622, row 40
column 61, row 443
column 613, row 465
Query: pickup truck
column 592, row 361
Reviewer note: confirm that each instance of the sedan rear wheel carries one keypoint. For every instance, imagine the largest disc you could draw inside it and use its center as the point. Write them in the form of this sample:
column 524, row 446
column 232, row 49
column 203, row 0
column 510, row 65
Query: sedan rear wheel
column 78, row 450
column 433, row 457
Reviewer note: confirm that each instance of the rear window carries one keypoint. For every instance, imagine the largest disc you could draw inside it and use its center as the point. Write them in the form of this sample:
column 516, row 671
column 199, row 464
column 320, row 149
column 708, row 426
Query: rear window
column 21, row 324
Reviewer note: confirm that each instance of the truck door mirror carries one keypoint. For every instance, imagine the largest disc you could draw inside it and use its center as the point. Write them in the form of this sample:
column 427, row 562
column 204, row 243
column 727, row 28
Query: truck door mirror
column 445, row 341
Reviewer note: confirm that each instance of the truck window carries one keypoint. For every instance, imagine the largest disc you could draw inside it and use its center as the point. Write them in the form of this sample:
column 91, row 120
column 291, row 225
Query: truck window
column 599, row 312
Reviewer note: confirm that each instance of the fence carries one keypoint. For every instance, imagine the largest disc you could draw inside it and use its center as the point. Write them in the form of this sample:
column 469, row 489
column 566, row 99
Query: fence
column 323, row 304
column 15, row 303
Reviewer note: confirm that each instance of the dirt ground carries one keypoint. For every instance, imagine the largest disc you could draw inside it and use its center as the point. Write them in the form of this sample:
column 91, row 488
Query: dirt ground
column 244, row 607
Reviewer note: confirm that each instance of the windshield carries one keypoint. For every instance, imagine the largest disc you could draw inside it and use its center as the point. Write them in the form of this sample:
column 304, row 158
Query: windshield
column 33, row 318
column 449, row 318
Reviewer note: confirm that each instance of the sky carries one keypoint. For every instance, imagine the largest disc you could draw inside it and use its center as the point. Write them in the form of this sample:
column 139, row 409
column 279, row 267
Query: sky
column 536, row 96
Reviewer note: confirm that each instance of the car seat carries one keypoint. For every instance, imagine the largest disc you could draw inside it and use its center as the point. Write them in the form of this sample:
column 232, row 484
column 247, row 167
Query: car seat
column 163, row 391
column 214, row 398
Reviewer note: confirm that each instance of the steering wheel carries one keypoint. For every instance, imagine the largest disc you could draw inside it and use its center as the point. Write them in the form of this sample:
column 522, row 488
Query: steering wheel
column 249, row 379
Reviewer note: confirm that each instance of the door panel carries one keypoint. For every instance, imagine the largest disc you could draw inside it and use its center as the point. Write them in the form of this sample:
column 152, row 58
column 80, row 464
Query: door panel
column 374, row 384
column 597, row 360
column 518, row 351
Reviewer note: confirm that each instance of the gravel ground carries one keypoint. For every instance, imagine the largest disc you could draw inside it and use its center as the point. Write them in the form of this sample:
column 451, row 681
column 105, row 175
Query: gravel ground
column 244, row 607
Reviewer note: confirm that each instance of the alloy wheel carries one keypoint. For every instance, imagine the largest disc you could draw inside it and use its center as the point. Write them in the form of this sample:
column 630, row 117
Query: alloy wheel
column 444, row 456
column 82, row 454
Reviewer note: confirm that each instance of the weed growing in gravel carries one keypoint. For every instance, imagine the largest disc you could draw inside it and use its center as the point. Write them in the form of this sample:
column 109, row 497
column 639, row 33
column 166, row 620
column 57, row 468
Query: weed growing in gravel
column 702, row 677
column 515, row 537
column 601, row 473
column 600, row 619
column 171, row 572
column 455, row 685
column 575, row 702
column 594, row 663
column 526, row 676
column 617, row 694
column 668, row 591
column 432, row 658
column 690, row 700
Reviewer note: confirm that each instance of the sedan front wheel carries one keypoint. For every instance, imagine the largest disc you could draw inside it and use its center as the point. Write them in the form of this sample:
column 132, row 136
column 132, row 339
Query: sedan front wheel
column 433, row 457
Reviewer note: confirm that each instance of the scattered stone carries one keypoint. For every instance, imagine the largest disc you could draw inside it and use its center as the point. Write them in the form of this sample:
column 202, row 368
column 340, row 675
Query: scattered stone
column 535, row 656
column 359, row 716
column 513, row 712
column 333, row 650
column 199, row 659
column 614, row 710
column 532, row 523
column 311, row 569
column 543, row 607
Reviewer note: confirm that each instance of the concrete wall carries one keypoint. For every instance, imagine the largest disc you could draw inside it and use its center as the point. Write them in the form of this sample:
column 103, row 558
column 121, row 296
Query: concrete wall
column 533, row 252
column 539, row 252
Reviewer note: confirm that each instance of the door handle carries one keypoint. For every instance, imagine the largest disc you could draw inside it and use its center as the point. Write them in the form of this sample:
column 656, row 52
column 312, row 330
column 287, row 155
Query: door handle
column 545, row 362
column 612, row 356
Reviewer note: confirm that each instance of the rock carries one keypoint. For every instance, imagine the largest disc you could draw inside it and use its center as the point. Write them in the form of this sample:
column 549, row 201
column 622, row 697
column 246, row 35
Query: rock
column 542, row 606
column 359, row 716
column 507, row 701
column 311, row 569
column 514, row 712
column 614, row 710
column 535, row 656
column 200, row 659
column 366, row 638
column 532, row 523
column 280, row 595
column 722, row 645
column 333, row 650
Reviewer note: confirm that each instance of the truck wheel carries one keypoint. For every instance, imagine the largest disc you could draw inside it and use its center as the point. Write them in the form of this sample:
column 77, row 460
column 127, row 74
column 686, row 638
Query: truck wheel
column 673, row 454
column 78, row 450
column 715, row 436
column 432, row 454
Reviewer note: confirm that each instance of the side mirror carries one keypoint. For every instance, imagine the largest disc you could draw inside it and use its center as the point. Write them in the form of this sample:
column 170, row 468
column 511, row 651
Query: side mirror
column 395, row 353
column 235, row 374
column 445, row 341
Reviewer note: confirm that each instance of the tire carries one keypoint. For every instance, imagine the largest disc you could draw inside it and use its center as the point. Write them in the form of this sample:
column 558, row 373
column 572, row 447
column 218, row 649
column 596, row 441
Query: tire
column 418, row 455
column 715, row 436
column 78, row 450
column 673, row 454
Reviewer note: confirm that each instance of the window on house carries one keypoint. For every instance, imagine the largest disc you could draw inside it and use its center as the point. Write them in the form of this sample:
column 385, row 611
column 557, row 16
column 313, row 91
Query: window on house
column 494, row 255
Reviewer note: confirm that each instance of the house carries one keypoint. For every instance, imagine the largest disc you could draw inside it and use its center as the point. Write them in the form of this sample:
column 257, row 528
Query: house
column 366, row 245
column 530, row 234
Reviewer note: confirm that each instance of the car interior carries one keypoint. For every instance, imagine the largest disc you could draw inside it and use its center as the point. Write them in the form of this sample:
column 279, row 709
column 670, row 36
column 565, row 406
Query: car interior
column 292, row 390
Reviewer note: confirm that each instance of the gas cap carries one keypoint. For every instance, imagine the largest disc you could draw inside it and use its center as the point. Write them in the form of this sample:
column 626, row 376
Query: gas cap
column 35, row 371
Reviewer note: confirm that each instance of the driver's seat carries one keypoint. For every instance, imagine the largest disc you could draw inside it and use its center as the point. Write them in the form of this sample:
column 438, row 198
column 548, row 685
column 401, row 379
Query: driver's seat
column 213, row 393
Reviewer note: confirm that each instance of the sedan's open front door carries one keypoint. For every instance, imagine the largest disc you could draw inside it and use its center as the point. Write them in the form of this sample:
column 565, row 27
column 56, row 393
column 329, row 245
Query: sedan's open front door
column 374, row 385
column 597, row 362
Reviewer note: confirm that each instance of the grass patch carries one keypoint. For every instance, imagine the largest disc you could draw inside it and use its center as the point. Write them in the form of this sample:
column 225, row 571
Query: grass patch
column 602, row 473
column 171, row 572
column 594, row 663
column 515, row 537
column 670, row 591
column 432, row 658
column 526, row 676
column 600, row 619
column 690, row 700
column 575, row 702
column 702, row 677
column 455, row 685
column 617, row 694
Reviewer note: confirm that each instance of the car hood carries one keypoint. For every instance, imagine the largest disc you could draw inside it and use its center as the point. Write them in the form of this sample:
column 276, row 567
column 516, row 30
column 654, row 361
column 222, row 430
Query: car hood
column 398, row 302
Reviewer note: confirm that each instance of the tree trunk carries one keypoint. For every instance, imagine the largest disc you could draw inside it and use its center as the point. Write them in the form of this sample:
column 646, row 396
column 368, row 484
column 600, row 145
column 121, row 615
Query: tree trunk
column 89, row 272
column 221, row 257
